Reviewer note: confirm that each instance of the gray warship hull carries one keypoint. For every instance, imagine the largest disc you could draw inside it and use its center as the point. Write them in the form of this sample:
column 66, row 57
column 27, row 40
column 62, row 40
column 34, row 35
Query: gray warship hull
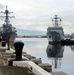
column 7, row 31
column 11, row 36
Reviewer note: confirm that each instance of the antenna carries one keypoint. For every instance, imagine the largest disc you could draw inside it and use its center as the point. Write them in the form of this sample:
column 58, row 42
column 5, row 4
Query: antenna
column 56, row 21
column 6, row 12
column 6, row 7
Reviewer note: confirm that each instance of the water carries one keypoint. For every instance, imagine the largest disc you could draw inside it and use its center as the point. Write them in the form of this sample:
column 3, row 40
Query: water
column 60, row 57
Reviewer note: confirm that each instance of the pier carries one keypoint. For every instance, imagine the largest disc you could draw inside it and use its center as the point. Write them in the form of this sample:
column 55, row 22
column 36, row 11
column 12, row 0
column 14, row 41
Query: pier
column 15, row 62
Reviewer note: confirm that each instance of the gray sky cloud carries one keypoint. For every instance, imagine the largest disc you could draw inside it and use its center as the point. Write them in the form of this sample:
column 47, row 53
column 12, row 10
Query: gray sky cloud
column 1, row 6
column 37, row 14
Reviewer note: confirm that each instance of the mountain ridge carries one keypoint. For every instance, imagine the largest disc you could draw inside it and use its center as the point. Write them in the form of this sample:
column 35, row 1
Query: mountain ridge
column 30, row 32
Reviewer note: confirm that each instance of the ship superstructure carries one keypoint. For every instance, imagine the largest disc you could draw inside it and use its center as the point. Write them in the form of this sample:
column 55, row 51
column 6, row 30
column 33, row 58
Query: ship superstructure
column 55, row 33
column 7, row 30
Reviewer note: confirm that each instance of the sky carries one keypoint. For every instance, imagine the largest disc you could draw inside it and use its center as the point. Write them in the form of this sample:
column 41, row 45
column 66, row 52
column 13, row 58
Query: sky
column 38, row 14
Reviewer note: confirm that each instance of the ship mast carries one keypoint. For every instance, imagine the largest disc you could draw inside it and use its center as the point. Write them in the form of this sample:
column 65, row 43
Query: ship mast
column 6, row 16
column 56, row 20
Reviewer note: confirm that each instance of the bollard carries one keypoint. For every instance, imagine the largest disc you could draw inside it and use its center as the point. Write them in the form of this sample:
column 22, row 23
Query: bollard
column 3, row 43
column 18, row 51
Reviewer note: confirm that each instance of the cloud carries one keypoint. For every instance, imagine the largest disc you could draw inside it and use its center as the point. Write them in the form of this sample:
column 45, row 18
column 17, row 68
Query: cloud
column 1, row 6
column 37, row 14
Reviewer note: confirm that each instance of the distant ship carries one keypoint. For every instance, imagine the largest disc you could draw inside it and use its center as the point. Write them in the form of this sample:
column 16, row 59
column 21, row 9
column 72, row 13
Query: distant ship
column 7, row 30
column 55, row 33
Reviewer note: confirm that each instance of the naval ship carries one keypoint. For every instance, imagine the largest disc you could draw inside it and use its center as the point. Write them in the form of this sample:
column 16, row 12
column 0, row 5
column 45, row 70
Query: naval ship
column 7, row 30
column 55, row 33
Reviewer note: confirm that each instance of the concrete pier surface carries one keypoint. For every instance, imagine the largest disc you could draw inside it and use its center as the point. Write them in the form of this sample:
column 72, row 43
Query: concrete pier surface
column 11, row 70
column 27, row 67
column 58, row 73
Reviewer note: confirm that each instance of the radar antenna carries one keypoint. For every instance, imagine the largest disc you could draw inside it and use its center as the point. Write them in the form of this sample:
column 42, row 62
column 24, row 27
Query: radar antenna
column 6, row 12
column 56, row 21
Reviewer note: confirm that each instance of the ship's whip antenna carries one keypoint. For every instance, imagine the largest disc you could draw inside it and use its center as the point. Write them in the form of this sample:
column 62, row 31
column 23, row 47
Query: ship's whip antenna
column 6, row 7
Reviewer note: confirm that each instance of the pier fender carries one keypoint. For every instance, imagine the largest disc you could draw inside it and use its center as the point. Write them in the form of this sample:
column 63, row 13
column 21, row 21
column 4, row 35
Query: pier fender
column 29, row 56
column 37, row 61
column 46, row 67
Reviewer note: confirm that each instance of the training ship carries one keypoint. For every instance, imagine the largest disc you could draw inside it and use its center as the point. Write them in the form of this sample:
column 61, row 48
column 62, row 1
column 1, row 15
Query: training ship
column 7, row 31
column 55, row 34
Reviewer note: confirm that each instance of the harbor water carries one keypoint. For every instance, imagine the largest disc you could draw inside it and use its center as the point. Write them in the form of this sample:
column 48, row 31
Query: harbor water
column 60, row 57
